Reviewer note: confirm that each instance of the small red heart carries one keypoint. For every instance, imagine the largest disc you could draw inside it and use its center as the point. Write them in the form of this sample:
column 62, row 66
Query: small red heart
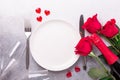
column 47, row 12
column 69, row 74
column 39, row 18
column 38, row 10
column 77, row 69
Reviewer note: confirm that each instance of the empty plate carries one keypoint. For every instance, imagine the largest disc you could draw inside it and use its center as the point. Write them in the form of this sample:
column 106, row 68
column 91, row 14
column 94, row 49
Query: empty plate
column 52, row 45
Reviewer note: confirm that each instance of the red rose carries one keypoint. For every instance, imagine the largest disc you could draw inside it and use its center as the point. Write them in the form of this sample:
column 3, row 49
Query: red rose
column 83, row 47
column 109, row 29
column 107, row 53
column 92, row 25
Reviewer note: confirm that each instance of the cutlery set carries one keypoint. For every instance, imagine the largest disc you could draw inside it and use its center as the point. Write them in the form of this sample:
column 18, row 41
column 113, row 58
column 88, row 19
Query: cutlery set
column 28, row 30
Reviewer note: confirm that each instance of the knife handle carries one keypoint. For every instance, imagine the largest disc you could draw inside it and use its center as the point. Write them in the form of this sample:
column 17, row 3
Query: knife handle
column 84, row 62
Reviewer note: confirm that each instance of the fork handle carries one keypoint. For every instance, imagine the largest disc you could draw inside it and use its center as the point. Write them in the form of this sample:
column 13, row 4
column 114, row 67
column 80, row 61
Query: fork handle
column 27, row 53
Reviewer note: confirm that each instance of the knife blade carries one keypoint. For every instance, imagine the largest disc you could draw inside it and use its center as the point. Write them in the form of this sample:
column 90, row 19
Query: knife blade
column 82, row 34
column 81, row 30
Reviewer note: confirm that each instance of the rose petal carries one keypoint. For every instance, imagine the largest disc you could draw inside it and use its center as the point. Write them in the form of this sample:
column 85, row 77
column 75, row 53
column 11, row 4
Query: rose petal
column 69, row 74
column 39, row 19
column 77, row 69
column 84, row 47
column 47, row 12
column 38, row 10
column 110, row 29
column 92, row 24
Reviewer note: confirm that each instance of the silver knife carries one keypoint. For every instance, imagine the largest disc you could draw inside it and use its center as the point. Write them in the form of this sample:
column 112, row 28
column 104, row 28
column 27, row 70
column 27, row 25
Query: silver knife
column 82, row 34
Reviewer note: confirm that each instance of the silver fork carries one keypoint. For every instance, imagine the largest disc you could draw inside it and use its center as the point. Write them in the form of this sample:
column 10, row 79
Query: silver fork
column 27, row 30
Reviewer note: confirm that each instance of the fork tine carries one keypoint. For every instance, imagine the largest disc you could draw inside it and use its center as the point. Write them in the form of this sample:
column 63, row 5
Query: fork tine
column 24, row 29
column 28, row 29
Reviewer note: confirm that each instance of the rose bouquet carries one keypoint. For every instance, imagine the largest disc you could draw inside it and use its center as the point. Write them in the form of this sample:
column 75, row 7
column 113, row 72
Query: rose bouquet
column 84, row 48
column 110, row 31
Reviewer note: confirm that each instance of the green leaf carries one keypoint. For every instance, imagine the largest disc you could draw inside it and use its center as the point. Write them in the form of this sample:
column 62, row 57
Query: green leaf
column 96, row 73
column 116, row 41
column 106, row 78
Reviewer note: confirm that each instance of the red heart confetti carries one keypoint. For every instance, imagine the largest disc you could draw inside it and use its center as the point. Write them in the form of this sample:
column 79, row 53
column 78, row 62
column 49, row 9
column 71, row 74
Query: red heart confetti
column 38, row 10
column 39, row 19
column 47, row 12
column 77, row 69
column 69, row 74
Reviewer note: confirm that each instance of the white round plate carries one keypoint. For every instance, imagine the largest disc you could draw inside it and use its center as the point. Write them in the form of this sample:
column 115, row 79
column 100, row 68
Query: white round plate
column 52, row 45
